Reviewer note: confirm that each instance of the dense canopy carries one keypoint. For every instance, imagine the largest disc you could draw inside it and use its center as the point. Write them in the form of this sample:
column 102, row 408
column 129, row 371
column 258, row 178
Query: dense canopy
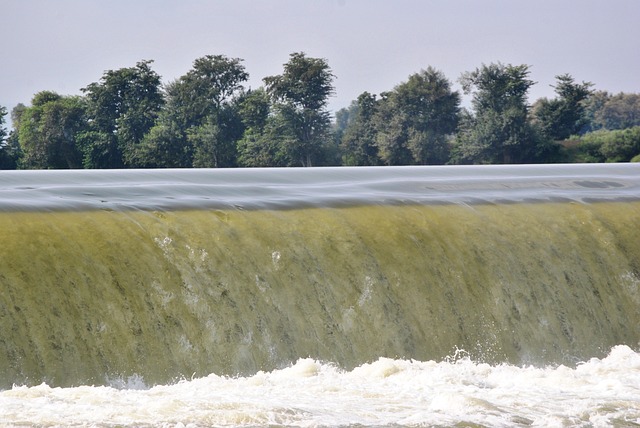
column 207, row 118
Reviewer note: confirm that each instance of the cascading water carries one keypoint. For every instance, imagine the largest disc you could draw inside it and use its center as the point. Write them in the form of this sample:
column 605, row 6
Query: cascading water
column 420, row 295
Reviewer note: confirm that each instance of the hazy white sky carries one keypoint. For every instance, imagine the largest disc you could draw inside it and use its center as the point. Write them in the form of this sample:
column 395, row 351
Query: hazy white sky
column 371, row 45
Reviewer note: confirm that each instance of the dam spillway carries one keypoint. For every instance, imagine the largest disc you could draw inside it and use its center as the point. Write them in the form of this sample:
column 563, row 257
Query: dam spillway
column 170, row 274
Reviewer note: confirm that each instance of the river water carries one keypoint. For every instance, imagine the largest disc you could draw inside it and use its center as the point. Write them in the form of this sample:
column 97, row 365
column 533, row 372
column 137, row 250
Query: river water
column 411, row 296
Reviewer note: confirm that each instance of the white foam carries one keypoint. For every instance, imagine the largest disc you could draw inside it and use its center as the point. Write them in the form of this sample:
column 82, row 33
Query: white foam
column 598, row 393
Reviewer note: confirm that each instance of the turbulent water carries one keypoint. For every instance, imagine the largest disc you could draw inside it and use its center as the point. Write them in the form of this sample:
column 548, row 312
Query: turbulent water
column 415, row 296
column 598, row 393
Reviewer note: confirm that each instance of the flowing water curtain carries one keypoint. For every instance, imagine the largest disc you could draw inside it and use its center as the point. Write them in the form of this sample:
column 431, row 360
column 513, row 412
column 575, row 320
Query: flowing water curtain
column 94, row 295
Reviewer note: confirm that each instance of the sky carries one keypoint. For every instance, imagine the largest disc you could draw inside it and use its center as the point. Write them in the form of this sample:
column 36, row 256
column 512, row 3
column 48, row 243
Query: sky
column 370, row 45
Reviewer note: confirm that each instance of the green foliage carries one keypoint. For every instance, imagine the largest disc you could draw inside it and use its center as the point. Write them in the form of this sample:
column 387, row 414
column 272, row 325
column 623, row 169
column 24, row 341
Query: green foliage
column 3, row 130
column 205, row 118
column 10, row 152
column 254, row 108
column 565, row 115
column 300, row 97
column 123, row 106
column 9, row 149
column 620, row 112
column 205, row 140
column 409, row 125
column 164, row 147
column 592, row 105
column 214, row 141
column 263, row 142
column 606, row 111
column 267, row 147
column 305, row 84
column 11, row 156
column 497, row 130
column 205, row 89
column 198, row 126
column 622, row 145
column 391, row 133
column 358, row 139
column 214, row 79
column 424, row 112
column 617, row 145
column 47, row 131
column 605, row 146
column 497, row 87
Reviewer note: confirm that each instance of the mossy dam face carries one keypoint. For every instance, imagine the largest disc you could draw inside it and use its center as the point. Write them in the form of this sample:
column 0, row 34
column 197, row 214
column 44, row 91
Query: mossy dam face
column 170, row 274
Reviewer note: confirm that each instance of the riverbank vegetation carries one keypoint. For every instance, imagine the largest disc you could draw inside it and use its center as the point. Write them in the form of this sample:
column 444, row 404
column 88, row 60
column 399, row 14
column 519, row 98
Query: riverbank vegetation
column 129, row 118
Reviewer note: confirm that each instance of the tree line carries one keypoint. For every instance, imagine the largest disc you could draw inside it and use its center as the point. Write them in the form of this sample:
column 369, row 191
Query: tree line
column 207, row 118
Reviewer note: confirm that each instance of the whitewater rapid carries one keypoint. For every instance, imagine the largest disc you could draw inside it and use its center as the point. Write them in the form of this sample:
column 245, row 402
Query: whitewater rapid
column 457, row 392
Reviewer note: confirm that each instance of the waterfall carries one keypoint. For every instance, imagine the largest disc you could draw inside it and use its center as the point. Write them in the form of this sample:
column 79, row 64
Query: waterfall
column 167, row 274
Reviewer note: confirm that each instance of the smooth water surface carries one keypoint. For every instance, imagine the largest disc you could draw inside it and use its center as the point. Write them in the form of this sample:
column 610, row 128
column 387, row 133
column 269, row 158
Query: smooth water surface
column 318, row 187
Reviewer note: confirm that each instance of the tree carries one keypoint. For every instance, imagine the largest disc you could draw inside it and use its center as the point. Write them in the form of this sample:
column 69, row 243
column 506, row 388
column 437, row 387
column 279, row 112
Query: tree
column 358, row 141
column 214, row 141
column 268, row 146
column 12, row 151
column 427, row 110
column 3, row 130
column 620, row 111
column 300, row 96
column 166, row 145
column 261, row 144
column 496, row 130
column 254, row 109
column 565, row 115
column 342, row 119
column 198, row 126
column 123, row 106
column 48, row 130
column 592, row 105
column 9, row 151
column 622, row 145
column 392, row 132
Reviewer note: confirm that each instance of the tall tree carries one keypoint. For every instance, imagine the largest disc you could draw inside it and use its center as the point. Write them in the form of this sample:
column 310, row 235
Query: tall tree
column 301, row 95
column 426, row 111
column 254, row 109
column 565, row 115
column 214, row 142
column 268, row 147
column 123, row 106
column 496, row 130
column 592, row 106
column 48, row 131
column 392, row 132
column 198, row 126
column 620, row 111
column 3, row 129
column 8, row 150
column 264, row 132
column 358, row 142
column 12, row 147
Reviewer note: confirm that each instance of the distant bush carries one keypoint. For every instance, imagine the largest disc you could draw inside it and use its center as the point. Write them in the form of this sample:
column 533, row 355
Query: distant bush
column 605, row 146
